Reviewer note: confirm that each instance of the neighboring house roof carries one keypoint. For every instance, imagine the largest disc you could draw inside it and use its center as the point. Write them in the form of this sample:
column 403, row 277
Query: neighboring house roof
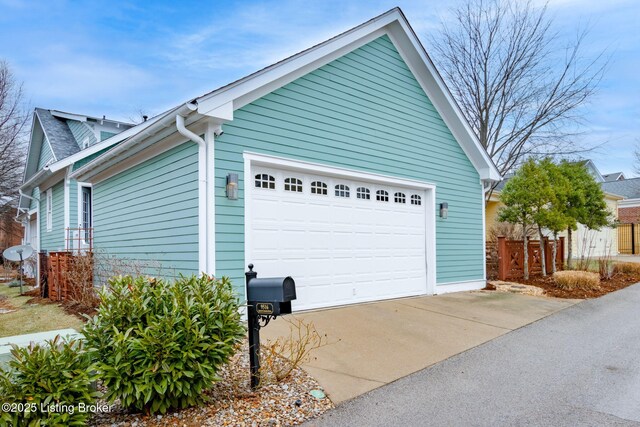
column 628, row 188
column 54, row 128
column 611, row 188
column 615, row 176
column 57, row 132
column 591, row 167
column 221, row 103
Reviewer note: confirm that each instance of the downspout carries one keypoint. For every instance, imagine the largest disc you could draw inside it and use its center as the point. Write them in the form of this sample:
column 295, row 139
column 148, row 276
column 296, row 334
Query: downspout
column 202, row 184
column 28, row 225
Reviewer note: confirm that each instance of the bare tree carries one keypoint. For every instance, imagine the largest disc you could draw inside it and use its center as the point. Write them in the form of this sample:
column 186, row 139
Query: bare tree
column 636, row 158
column 519, row 89
column 13, row 123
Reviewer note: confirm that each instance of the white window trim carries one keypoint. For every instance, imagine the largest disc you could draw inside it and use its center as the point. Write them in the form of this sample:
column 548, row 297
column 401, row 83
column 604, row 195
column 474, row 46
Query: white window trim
column 79, row 203
column 49, row 200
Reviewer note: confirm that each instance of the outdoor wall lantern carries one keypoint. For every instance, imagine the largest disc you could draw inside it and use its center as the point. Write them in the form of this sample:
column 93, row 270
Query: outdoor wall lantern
column 232, row 186
column 444, row 210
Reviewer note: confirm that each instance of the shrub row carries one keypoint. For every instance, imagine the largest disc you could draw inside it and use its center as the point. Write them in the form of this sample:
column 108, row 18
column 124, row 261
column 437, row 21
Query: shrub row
column 154, row 345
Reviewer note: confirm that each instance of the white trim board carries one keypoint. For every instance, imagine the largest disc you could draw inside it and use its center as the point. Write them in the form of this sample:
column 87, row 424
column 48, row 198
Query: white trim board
column 469, row 285
column 222, row 102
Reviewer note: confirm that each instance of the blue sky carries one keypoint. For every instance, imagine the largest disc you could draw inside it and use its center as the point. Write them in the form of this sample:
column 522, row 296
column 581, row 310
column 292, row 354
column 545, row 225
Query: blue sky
column 118, row 58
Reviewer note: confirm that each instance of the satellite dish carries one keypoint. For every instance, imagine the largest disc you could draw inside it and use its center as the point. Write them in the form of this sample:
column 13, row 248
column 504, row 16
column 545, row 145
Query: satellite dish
column 18, row 253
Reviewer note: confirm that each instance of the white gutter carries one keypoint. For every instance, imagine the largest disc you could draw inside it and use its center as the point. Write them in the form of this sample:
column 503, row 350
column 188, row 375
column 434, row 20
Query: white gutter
column 106, row 159
column 203, row 221
column 29, row 198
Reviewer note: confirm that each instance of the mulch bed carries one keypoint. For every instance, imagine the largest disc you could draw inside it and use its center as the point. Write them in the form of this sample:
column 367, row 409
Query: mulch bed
column 617, row 282
column 233, row 403
column 78, row 310
column 70, row 307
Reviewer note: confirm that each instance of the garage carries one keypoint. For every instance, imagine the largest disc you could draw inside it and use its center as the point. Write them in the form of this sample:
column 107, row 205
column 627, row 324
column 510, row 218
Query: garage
column 345, row 238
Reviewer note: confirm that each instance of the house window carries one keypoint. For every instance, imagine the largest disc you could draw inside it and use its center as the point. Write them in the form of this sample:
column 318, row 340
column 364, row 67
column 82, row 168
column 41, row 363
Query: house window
column 400, row 198
column 293, row 184
column 264, row 180
column 319, row 187
column 382, row 196
column 363, row 193
column 49, row 209
column 416, row 200
column 87, row 213
column 342, row 190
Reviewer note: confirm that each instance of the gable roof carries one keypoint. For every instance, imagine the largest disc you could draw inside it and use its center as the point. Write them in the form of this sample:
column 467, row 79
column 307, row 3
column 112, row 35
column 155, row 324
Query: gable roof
column 57, row 132
column 221, row 103
column 615, row 176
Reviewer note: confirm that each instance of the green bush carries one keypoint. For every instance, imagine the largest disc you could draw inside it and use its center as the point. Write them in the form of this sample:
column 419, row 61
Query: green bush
column 158, row 345
column 48, row 384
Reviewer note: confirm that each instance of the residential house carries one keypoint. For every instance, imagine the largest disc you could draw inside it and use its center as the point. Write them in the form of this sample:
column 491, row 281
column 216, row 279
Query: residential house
column 585, row 242
column 347, row 166
column 53, row 207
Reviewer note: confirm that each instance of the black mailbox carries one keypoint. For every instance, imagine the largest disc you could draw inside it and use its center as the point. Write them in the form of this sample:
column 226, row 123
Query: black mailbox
column 266, row 299
column 271, row 296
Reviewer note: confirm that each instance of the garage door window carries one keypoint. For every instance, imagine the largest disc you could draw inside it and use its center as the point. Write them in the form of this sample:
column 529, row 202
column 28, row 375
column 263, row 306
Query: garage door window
column 363, row 193
column 293, row 184
column 400, row 198
column 319, row 187
column 264, row 180
column 342, row 190
column 382, row 196
column 416, row 200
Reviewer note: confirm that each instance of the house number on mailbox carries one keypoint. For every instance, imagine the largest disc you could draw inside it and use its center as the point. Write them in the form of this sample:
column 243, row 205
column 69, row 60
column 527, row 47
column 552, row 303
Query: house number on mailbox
column 264, row 308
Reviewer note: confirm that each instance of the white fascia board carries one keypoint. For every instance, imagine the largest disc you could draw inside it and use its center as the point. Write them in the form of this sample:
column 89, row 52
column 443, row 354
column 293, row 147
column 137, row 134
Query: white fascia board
column 432, row 83
column 290, row 66
column 34, row 121
column 46, row 138
column 69, row 116
column 629, row 203
column 129, row 156
column 95, row 148
column 397, row 28
column 613, row 196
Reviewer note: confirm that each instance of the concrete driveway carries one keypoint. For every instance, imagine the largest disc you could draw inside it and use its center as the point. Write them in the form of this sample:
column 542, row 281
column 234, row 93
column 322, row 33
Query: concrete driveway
column 371, row 345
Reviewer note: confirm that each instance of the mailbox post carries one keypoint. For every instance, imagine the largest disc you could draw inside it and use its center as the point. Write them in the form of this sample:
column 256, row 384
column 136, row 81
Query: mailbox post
column 267, row 298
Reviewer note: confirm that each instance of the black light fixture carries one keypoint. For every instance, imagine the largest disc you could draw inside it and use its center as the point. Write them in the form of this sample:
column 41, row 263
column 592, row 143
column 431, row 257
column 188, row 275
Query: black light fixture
column 444, row 210
column 232, row 186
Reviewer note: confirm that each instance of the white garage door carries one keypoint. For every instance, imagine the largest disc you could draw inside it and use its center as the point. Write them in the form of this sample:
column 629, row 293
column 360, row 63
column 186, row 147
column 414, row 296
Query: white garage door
column 343, row 241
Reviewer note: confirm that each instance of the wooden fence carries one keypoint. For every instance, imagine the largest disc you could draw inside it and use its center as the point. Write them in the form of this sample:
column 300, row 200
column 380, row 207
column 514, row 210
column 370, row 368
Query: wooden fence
column 511, row 257
column 629, row 239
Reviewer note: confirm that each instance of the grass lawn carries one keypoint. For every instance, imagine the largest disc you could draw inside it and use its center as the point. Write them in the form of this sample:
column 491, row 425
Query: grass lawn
column 30, row 318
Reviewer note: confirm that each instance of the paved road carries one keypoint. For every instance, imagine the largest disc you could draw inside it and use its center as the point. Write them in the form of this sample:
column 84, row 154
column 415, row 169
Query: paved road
column 578, row 367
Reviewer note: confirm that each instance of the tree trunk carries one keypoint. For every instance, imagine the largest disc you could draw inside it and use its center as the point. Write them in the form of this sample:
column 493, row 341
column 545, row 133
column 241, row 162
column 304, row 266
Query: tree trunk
column 569, row 251
column 543, row 261
column 526, row 252
column 554, row 252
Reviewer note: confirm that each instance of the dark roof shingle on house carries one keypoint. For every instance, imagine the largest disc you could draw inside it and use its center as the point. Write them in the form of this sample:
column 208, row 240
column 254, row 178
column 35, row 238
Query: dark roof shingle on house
column 628, row 188
column 58, row 133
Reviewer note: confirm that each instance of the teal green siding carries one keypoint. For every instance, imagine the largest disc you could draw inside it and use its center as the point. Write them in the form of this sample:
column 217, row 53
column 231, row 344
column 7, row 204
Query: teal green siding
column 149, row 213
column 53, row 240
column 363, row 111
column 45, row 154
column 35, row 194
column 105, row 135
column 73, row 203
column 77, row 165
column 81, row 132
